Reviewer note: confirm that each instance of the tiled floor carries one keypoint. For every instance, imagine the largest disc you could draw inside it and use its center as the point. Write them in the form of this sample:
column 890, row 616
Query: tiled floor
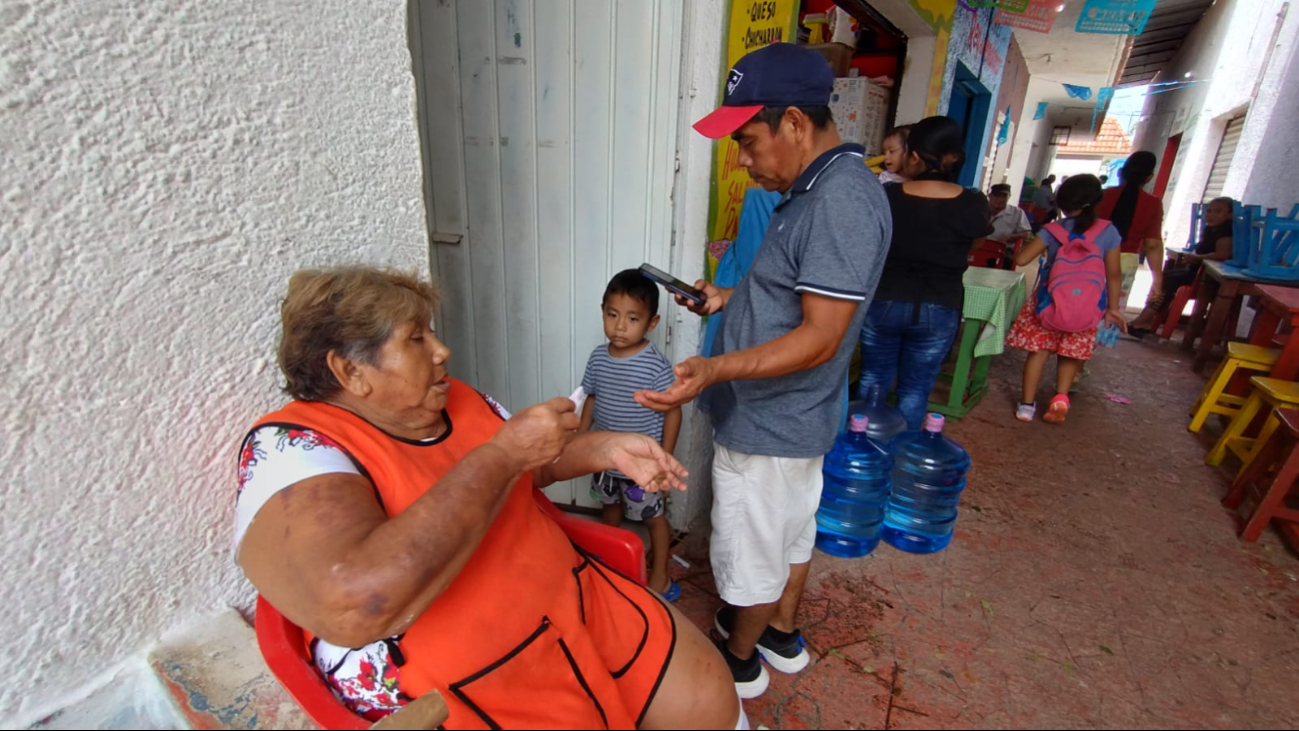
column 1094, row 582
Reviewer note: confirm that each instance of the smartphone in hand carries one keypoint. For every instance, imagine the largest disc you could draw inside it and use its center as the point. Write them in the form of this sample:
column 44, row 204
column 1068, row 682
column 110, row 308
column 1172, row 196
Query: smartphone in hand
column 673, row 285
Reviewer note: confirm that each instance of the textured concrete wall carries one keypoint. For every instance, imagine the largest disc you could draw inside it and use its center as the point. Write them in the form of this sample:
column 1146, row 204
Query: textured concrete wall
column 1274, row 177
column 701, row 57
column 164, row 166
column 1239, row 56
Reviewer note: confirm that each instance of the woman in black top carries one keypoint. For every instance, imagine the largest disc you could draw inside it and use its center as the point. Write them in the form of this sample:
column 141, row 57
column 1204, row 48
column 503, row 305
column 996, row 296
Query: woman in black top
column 917, row 307
column 1214, row 245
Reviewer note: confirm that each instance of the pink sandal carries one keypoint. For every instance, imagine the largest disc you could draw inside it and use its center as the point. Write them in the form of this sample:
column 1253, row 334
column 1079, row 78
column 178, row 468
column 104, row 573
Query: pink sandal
column 1058, row 410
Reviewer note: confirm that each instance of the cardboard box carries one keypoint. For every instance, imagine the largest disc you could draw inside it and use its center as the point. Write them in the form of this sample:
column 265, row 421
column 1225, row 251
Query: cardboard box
column 860, row 108
column 837, row 55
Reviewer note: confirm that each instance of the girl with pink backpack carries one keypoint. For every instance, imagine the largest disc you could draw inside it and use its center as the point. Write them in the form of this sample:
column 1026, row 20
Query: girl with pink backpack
column 1079, row 287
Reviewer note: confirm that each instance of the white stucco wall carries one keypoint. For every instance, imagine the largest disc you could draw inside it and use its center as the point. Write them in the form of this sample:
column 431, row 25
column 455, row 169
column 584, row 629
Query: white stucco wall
column 1239, row 54
column 701, row 59
column 1274, row 175
column 1025, row 159
column 164, row 166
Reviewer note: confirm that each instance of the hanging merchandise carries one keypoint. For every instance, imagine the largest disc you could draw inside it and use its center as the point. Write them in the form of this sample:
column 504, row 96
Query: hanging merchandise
column 1078, row 92
column 1038, row 16
column 843, row 27
column 1041, row 111
column 1123, row 17
column 1003, row 134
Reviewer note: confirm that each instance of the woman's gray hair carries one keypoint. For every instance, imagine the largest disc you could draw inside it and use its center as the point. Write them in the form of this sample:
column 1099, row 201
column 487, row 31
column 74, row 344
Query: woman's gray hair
column 350, row 310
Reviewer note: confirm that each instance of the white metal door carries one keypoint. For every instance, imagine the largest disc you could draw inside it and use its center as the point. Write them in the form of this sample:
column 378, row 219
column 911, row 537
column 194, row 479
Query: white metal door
column 549, row 134
column 1222, row 160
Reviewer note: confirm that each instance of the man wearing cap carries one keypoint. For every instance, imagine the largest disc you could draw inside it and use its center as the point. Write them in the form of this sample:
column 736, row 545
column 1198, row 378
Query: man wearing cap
column 1009, row 223
column 774, row 384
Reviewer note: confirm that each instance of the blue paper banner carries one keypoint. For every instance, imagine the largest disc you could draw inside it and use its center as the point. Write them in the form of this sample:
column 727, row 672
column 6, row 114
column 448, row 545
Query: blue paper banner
column 1003, row 134
column 1102, row 98
column 1041, row 111
column 1078, row 92
column 1124, row 17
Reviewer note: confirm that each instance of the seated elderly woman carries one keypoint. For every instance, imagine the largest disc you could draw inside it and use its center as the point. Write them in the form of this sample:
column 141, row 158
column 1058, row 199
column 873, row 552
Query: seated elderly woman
column 1180, row 269
column 388, row 510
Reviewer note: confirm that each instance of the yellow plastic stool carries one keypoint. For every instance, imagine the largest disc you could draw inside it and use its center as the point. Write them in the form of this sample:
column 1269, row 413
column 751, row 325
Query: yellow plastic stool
column 1212, row 399
column 1272, row 392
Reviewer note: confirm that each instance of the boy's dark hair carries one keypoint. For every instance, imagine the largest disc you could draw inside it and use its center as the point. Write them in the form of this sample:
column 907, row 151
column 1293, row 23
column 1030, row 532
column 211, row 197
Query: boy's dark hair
column 635, row 285
column 820, row 116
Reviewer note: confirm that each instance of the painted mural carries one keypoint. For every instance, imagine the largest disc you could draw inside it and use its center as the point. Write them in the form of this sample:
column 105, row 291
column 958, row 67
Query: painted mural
column 979, row 46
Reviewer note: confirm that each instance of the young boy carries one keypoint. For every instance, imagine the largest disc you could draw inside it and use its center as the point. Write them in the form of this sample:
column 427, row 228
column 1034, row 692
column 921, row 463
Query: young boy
column 627, row 364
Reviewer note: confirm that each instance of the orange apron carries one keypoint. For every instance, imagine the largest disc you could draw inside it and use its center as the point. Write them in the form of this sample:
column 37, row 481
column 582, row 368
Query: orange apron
column 531, row 633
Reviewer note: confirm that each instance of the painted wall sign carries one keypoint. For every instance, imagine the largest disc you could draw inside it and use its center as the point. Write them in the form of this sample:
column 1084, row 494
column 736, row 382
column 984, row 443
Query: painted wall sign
column 752, row 24
column 1125, row 17
column 1038, row 17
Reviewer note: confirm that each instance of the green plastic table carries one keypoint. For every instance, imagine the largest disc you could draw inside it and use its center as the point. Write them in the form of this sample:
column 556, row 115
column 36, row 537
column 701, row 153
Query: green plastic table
column 993, row 299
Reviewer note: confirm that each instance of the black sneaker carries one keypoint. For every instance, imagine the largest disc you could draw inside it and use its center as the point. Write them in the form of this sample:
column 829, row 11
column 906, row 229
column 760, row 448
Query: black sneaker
column 751, row 679
column 784, row 651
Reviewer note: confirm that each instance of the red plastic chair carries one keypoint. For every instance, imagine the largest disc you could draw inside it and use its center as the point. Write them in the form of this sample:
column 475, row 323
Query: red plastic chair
column 990, row 254
column 285, row 651
column 1169, row 318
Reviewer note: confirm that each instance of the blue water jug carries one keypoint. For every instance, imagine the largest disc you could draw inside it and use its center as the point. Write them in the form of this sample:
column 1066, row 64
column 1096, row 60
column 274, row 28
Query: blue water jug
column 928, row 476
column 883, row 422
column 856, row 489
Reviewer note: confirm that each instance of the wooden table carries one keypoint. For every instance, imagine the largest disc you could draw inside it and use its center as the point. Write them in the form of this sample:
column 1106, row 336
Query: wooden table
column 1279, row 305
column 1221, row 288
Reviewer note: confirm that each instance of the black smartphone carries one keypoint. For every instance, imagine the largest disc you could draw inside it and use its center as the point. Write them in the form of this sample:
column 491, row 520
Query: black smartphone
column 672, row 284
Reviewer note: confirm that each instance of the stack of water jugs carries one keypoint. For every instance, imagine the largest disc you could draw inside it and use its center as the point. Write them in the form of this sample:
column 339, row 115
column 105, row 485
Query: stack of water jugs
column 884, row 481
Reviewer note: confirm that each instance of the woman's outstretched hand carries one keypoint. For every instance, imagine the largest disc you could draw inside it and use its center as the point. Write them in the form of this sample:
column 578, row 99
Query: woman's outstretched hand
column 644, row 462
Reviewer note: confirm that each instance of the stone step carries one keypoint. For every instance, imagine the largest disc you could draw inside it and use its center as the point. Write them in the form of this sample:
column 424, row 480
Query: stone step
column 210, row 676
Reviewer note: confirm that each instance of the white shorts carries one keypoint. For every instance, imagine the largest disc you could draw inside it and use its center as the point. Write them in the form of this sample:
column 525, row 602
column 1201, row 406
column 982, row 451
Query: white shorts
column 764, row 519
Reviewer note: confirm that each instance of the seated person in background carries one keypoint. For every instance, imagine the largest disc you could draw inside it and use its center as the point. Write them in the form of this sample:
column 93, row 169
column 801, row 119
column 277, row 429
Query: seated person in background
column 1180, row 269
column 388, row 510
column 626, row 364
column 1010, row 224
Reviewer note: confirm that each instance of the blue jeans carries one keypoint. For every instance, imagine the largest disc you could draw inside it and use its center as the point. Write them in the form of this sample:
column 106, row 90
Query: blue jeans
column 899, row 345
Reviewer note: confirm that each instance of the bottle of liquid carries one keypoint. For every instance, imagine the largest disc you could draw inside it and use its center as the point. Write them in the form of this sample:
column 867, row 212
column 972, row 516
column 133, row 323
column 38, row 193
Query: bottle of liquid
column 928, row 477
column 856, row 490
column 883, row 421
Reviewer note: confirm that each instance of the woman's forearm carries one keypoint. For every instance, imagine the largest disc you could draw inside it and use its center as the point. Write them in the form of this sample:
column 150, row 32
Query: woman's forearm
column 585, row 455
column 1155, row 258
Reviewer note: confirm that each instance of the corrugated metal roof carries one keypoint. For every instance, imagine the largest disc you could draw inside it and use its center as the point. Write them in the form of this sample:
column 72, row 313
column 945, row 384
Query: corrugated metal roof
column 1162, row 37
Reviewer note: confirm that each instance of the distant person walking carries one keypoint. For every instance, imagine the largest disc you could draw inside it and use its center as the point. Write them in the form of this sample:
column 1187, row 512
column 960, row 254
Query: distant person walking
column 1139, row 218
column 1044, row 203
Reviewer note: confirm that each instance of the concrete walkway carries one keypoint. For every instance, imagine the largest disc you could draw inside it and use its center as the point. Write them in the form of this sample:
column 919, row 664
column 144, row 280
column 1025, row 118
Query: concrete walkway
column 1094, row 581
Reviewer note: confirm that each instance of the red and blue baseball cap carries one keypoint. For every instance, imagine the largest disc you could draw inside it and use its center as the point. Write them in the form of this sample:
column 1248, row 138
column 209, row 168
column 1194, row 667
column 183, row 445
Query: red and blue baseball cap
column 779, row 75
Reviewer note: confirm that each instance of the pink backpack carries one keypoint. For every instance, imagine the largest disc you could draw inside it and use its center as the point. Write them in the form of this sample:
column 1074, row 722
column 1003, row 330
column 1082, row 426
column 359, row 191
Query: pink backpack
column 1072, row 296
